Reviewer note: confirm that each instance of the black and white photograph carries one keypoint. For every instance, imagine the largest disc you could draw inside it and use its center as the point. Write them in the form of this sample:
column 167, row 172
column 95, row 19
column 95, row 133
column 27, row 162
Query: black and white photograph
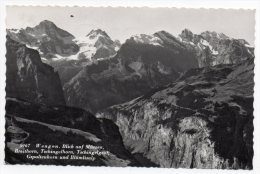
column 130, row 87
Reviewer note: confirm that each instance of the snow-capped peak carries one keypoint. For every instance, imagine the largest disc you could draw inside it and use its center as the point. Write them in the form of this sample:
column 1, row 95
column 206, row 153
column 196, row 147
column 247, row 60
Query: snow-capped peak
column 47, row 23
column 147, row 39
column 87, row 47
column 213, row 34
column 97, row 33
column 14, row 30
column 93, row 43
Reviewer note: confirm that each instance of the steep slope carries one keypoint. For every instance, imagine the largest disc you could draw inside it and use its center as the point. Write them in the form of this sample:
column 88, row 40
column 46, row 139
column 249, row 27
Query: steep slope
column 28, row 123
column 28, row 78
column 203, row 120
column 47, row 38
column 214, row 48
column 138, row 67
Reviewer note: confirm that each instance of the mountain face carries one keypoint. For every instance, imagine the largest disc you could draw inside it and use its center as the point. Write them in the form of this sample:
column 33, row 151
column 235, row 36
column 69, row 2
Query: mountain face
column 47, row 38
column 28, row 78
column 61, row 125
column 213, row 48
column 139, row 66
column 202, row 120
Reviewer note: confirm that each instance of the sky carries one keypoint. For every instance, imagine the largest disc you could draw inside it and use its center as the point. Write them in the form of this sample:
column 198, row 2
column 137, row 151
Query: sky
column 121, row 23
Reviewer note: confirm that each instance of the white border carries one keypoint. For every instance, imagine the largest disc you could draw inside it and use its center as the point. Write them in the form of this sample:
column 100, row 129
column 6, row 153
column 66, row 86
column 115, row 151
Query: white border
column 238, row 4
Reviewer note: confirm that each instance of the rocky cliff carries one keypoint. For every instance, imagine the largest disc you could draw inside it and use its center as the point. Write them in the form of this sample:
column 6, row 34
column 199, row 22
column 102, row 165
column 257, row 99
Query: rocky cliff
column 203, row 120
column 28, row 78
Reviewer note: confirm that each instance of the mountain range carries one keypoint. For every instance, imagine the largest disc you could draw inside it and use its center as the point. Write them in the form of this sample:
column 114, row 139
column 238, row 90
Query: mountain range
column 178, row 101
column 55, row 43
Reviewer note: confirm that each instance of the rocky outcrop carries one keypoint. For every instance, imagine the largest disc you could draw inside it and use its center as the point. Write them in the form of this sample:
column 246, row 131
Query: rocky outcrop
column 28, row 78
column 36, row 123
column 203, row 120
column 47, row 38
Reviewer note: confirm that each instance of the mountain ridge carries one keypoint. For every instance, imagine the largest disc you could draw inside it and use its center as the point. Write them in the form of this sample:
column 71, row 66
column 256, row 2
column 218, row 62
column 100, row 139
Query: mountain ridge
column 151, row 60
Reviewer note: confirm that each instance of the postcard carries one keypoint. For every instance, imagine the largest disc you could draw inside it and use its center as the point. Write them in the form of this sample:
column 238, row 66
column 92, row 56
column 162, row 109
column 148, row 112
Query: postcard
column 130, row 87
